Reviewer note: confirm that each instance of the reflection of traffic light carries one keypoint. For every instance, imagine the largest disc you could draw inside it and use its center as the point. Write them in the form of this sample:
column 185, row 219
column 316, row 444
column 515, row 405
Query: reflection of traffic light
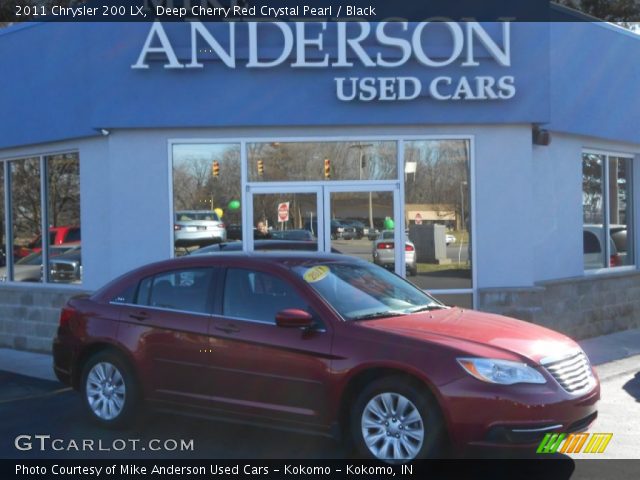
column 327, row 168
column 260, row 167
column 215, row 169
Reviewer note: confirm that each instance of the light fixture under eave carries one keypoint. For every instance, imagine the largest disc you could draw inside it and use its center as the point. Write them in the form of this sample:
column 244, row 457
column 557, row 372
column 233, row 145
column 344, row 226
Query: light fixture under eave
column 540, row 136
column 103, row 131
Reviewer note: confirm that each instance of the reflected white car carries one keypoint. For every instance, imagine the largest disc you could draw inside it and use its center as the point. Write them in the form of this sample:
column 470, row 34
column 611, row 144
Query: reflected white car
column 450, row 239
column 384, row 252
column 198, row 227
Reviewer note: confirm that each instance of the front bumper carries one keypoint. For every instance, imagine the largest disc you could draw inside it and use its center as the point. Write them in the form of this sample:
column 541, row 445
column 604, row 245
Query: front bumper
column 483, row 416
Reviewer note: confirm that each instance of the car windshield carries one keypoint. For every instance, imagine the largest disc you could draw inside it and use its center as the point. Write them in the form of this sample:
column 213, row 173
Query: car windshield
column 362, row 291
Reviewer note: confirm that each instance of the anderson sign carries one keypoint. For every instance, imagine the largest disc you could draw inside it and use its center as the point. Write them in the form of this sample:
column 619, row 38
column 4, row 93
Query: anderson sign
column 303, row 46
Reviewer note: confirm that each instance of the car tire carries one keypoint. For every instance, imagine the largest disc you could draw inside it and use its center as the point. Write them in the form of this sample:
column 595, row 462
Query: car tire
column 376, row 418
column 412, row 272
column 109, row 389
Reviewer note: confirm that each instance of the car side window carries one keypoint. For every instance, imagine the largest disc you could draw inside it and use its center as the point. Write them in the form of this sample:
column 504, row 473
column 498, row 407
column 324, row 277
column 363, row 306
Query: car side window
column 187, row 290
column 258, row 296
column 127, row 296
column 73, row 235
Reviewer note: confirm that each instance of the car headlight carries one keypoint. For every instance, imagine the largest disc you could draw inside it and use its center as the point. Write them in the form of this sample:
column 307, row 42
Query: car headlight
column 503, row 372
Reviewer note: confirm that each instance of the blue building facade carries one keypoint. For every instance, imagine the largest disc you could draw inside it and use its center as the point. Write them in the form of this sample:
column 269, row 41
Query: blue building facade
column 519, row 139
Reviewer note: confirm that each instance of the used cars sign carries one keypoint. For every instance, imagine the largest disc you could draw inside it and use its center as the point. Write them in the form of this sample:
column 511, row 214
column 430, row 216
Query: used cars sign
column 383, row 44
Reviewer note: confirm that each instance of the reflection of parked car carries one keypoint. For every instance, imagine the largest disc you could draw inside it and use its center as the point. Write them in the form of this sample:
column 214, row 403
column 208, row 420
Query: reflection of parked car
column 66, row 268
column 261, row 245
column 450, row 239
column 198, row 227
column 336, row 228
column 593, row 246
column 360, row 229
column 29, row 268
column 234, row 231
column 68, row 235
column 298, row 235
column 328, row 342
column 384, row 252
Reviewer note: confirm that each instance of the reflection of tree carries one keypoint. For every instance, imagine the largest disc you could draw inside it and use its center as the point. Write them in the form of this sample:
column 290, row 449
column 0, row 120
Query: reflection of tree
column 63, row 189
column 442, row 167
column 195, row 188
column 25, row 198
column 304, row 161
column 592, row 188
column 63, row 194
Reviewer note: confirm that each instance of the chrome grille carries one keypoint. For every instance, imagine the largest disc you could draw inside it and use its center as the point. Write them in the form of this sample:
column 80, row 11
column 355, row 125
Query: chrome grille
column 572, row 372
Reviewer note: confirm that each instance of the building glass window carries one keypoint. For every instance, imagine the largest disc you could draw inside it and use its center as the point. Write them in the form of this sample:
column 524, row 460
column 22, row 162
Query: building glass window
column 319, row 161
column 61, row 196
column 607, row 211
column 63, row 216
column 206, row 195
column 438, row 213
column 26, row 221
column 3, row 236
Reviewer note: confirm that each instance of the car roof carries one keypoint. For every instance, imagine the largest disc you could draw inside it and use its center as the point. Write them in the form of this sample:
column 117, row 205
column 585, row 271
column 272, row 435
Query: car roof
column 261, row 257
column 274, row 259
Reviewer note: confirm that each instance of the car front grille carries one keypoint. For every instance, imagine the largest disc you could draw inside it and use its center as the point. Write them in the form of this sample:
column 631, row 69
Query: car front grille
column 63, row 272
column 572, row 372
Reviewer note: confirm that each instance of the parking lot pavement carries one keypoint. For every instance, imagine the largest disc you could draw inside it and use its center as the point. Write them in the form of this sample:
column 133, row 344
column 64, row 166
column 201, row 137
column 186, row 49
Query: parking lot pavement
column 619, row 408
column 32, row 406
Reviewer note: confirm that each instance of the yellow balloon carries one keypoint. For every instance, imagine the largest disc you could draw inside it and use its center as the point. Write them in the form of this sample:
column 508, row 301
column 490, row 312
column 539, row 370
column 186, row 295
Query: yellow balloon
column 219, row 212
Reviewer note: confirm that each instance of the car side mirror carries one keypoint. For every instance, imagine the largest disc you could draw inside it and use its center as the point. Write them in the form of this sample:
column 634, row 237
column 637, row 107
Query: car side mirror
column 294, row 318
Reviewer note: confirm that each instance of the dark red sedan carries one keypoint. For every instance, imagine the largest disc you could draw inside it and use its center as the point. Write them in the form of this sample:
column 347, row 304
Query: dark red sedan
column 320, row 343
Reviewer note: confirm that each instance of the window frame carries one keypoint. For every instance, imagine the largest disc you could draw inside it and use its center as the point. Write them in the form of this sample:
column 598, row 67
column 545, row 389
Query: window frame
column 607, row 154
column 5, row 165
column 399, row 137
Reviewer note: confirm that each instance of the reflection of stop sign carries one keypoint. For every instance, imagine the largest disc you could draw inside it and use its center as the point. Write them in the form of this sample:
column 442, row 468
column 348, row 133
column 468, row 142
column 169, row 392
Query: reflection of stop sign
column 283, row 212
column 418, row 219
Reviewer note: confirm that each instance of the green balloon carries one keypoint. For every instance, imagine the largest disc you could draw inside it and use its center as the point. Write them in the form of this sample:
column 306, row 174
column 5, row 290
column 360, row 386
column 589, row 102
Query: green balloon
column 388, row 223
column 234, row 204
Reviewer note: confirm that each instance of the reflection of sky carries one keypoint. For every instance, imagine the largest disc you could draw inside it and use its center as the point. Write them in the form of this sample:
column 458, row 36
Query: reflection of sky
column 206, row 151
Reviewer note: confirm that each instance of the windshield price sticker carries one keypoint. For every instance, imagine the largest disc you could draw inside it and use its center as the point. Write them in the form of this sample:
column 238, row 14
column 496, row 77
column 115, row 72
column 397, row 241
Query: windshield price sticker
column 315, row 274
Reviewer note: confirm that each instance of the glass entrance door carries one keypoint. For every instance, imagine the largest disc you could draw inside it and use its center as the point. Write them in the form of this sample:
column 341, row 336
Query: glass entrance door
column 363, row 224
column 284, row 220
column 353, row 220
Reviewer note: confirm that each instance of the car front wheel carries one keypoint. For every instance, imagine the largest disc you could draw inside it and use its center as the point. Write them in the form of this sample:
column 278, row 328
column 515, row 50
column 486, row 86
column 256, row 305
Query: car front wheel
column 109, row 390
column 394, row 421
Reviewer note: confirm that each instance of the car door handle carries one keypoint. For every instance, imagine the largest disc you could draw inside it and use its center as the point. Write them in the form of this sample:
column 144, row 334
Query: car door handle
column 227, row 328
column 139, row 315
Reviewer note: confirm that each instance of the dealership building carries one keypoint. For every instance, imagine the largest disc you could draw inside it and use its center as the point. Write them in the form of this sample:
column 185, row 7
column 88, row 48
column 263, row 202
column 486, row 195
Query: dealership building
column 507, row 152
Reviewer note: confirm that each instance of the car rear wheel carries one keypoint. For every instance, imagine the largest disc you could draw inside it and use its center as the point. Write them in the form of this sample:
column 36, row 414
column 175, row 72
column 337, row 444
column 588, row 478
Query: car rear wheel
column 109, row 390
column 394, row 421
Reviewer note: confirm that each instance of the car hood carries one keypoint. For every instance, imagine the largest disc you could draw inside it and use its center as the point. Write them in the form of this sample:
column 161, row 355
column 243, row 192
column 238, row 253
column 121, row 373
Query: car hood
column 515, row 336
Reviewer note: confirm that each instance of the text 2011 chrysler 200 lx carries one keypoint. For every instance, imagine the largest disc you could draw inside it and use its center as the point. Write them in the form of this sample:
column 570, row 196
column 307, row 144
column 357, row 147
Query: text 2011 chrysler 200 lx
column 323, row 343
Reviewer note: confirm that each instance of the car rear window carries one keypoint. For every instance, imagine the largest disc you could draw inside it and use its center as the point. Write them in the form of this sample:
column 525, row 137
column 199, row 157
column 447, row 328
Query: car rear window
column 197, row 216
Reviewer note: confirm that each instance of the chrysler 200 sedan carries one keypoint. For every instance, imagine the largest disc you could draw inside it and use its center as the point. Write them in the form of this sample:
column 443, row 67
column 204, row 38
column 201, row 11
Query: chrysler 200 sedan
column 320, row 343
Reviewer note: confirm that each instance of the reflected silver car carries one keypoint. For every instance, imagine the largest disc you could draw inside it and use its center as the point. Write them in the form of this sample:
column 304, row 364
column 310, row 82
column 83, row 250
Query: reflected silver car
column 384, row 252
column 198, row 227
